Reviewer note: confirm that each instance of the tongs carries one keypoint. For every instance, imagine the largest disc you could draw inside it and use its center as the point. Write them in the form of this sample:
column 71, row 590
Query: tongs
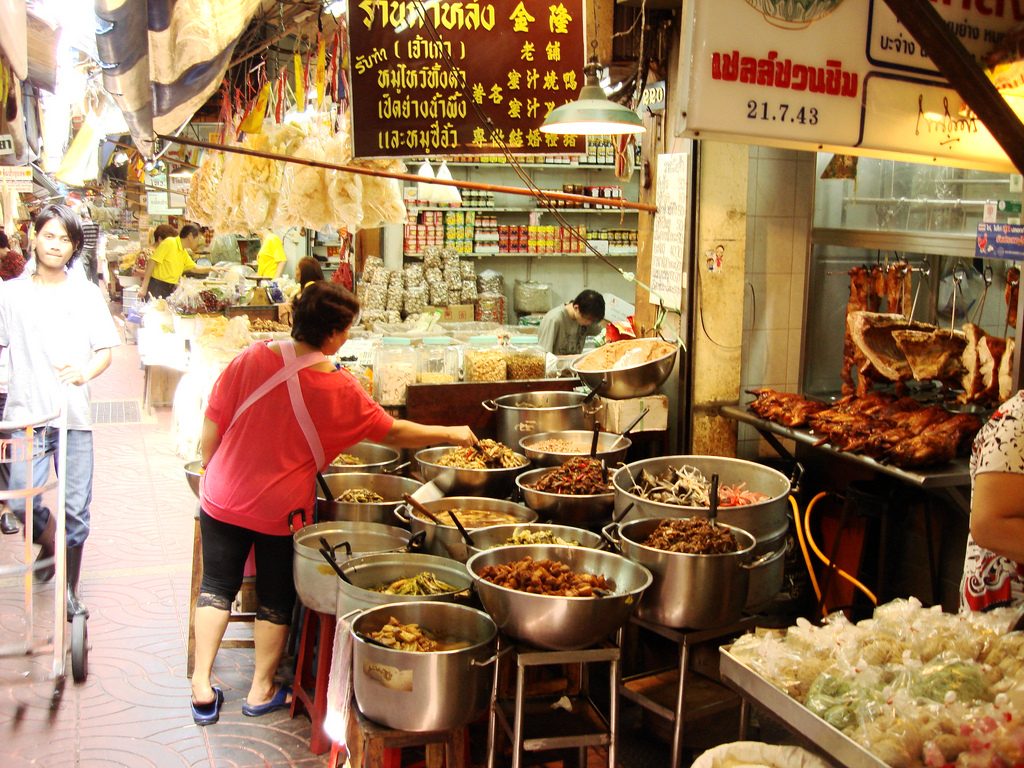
column 631, row 427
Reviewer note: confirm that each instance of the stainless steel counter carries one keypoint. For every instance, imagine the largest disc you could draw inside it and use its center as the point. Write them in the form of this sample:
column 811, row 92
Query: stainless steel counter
column 839, row 748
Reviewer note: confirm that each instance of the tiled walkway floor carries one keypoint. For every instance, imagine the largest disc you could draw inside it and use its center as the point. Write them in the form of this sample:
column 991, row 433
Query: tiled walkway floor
column 133, row 710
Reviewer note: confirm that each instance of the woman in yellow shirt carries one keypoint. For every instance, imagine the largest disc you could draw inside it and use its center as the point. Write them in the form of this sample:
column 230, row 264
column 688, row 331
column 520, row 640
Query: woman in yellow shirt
column 169, row 262
column 271, row 258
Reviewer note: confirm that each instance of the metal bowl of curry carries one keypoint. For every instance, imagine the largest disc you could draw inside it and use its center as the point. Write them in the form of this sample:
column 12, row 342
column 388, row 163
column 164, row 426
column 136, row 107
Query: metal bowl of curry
column 472, row 511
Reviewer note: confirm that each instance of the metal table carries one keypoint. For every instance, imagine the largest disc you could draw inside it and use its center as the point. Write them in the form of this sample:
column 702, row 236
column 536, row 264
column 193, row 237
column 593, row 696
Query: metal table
column 950, row 481
column 539, row 724
column 839, row 748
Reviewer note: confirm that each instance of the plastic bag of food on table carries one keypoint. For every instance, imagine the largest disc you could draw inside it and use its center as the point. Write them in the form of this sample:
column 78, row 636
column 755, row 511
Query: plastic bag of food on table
column 490, row 307
column 432, row 257
column 413, row 277
column 468, row 292
column 490, row 281
column 439, row 295
column 468, row 270
column 370, row 267
column 531, row 296
column 415, row 300
column 396, row 293
column 754, row 754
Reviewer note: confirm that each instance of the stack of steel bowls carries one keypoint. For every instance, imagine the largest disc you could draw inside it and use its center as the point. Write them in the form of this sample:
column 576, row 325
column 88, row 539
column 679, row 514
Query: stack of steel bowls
column 495, row 536
column 611, row 447
column 585, row 510
column 445, row 540
column 556, row 622
column 367, row 573
column 390, row 487
column 424, row 691
column 459, row 481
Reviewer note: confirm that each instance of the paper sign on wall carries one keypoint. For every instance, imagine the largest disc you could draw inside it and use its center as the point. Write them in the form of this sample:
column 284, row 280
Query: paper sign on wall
column 1000, row 241
column 668, row 244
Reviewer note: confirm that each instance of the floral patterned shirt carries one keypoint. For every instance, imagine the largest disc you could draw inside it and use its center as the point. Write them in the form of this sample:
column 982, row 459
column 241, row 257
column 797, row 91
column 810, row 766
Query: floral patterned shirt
column 990, row 580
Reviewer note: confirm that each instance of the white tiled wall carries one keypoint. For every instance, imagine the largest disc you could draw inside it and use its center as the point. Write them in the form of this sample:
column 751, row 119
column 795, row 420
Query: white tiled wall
column 779, row 212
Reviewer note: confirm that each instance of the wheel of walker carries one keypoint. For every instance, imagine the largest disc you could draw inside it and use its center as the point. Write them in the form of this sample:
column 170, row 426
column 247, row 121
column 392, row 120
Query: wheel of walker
column 79, row 648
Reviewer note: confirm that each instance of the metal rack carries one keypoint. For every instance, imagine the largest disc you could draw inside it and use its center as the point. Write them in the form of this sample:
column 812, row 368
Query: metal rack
column 542, row 723
column 678, row 693
column 21, row 445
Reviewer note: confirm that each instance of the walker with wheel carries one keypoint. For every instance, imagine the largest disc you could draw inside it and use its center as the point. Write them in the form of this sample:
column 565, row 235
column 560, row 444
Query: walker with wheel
column 21, row 448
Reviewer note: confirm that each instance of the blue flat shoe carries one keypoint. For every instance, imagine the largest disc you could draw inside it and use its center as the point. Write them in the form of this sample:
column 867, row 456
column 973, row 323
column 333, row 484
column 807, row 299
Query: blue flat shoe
column 279, row 701
column 208, row 714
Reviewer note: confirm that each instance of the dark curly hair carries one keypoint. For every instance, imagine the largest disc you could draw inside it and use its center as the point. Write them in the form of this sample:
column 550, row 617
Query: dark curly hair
column 320, row 310
column 69, row 220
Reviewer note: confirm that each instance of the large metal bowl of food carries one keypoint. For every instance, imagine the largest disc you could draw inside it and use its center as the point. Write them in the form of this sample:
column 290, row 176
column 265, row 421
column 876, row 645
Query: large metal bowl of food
column 473, row 512
column 399, row 577
column 369, row 497
column 365, row 457
column 552, row 449
column 193, row 472
column 624, row 369
column 525, row 413
column 528, row 534
column 460, row 479
column 588, row 510
column 315, row 580
column 700, row 584
column 444, row 684
column 557, row 621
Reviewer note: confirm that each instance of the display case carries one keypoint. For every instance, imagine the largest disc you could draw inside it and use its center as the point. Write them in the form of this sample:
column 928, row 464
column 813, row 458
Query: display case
column 882, row 212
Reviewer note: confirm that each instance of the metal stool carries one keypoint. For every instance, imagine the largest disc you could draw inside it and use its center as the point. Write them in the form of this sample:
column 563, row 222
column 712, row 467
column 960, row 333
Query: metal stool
column 245, row 598
column 312, row 671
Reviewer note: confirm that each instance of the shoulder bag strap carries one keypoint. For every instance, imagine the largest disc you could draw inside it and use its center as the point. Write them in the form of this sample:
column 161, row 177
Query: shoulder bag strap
column 302, row 412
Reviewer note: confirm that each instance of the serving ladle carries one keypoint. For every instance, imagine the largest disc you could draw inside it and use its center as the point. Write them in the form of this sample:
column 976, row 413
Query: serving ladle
column 713, row 502
column 462, row 529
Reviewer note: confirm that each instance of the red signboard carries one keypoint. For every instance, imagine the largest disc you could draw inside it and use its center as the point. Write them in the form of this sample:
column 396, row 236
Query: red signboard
column 421, row 72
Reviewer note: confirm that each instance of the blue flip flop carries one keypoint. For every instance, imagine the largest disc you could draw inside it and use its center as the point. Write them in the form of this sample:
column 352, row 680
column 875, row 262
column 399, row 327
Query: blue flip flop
column 208, row 714
column 279, row 701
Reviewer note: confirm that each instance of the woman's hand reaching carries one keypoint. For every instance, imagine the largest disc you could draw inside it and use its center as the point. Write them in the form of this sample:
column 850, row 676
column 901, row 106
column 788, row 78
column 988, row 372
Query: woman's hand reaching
column 462, row 436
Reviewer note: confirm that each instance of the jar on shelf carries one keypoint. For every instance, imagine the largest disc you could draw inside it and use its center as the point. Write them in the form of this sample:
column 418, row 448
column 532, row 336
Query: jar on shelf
column 394, row 370
column 438, row 361
column 525, row 358
column 484, row 360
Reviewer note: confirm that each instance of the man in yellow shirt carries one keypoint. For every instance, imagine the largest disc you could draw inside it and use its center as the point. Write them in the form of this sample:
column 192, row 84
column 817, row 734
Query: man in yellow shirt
column 170, row 261
column 271, row 258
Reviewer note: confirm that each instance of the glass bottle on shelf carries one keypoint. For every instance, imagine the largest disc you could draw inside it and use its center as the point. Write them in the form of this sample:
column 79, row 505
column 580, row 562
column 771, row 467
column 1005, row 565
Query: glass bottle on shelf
column 394, row 370
column 438, row 361
column 484, row 360
column 525, row 358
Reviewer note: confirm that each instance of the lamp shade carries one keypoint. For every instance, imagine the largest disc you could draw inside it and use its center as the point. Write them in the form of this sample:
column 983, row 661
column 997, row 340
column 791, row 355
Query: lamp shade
column 592, row 114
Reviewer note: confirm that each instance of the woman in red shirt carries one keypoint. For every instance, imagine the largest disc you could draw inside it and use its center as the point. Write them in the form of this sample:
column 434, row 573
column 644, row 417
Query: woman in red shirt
column 278, row 413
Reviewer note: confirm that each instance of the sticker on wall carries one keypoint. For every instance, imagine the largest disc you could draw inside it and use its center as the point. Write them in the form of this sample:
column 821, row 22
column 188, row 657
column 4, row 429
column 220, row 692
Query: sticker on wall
column 713, row 259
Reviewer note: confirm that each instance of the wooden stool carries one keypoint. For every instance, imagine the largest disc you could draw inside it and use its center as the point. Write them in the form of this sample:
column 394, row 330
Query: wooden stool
column 245, row 597
column 376, row 746
column 312, row 671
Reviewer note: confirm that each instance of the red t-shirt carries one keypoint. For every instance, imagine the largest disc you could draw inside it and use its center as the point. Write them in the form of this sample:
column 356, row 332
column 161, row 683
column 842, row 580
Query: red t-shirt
column 263, row 468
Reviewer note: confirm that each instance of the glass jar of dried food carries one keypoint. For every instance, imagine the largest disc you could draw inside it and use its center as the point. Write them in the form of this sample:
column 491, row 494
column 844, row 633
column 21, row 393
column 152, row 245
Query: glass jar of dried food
column 438, row 361
column 484, row 360
column 394, row 370
column 525, row 358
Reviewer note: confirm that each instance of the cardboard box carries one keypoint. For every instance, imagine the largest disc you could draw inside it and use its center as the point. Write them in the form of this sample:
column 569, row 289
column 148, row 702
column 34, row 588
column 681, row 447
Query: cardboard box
column 458, row 313
column 616, row 415
column 616, row 309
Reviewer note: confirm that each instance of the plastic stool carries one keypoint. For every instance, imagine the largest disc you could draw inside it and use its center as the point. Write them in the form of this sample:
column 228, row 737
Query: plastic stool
column 312, row 670
column 377, row 746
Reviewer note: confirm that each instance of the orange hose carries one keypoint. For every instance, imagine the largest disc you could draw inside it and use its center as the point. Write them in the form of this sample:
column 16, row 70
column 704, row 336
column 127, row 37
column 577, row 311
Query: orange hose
column 798, row 524
column 828, row 563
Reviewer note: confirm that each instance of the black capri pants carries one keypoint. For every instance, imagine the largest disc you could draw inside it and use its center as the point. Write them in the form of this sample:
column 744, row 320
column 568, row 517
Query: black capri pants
column 225, row 550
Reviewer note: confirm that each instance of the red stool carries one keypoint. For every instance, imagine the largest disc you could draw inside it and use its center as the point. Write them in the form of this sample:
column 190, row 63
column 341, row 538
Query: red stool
column 312, row 670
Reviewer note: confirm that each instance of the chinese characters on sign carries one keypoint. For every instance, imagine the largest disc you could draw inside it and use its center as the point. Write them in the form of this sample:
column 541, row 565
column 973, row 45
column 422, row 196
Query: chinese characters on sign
column 416, row 91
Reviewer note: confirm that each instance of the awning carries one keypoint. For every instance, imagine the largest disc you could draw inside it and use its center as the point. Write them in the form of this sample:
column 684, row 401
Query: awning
column 162, row 59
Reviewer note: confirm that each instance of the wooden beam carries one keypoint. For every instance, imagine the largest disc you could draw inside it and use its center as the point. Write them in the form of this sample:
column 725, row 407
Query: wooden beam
column 964, row 73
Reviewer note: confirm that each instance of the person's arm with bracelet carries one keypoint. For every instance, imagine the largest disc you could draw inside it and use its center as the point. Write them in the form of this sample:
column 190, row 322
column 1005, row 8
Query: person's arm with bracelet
column 997, row 513
column 411, row 434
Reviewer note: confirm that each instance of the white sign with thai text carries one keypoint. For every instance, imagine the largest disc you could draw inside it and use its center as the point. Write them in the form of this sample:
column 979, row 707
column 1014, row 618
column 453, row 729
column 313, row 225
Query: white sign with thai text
column 834, row 75
column 668, row 244
column 16, row 177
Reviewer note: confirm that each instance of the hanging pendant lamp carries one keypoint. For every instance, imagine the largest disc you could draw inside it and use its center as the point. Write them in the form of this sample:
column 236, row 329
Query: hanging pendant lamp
column 592, row 114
